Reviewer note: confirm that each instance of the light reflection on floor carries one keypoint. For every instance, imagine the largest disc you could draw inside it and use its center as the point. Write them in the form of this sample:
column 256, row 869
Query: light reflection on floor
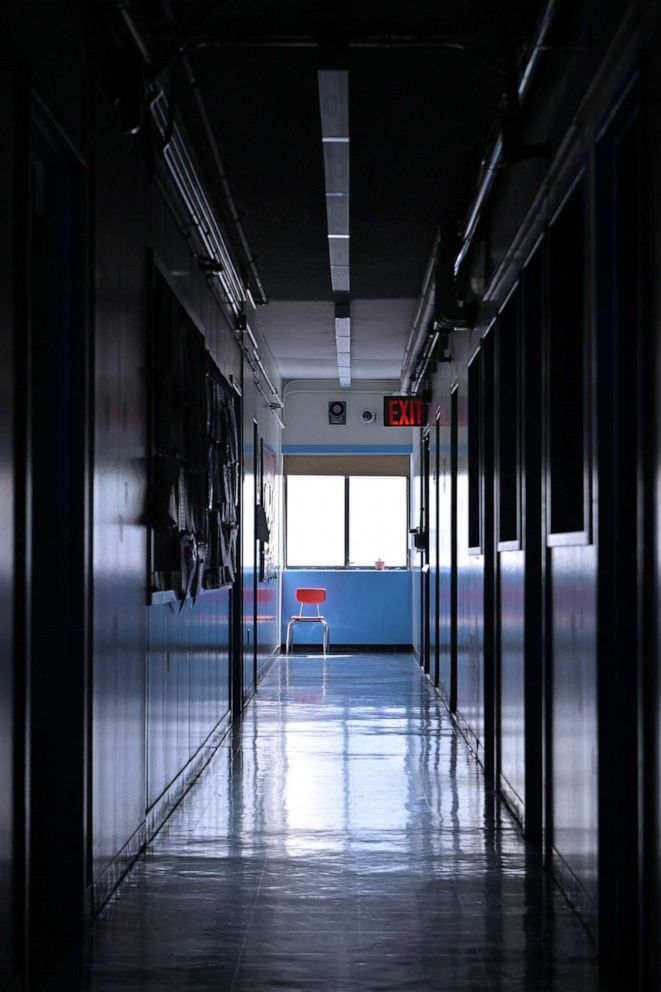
column 340, row 840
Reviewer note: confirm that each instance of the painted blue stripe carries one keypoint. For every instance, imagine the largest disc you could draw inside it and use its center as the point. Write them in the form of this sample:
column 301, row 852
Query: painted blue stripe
column 346, row 449
column 362, row 607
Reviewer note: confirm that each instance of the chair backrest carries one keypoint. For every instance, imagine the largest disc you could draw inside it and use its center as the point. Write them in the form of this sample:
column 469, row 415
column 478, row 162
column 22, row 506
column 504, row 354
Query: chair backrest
column 310, row 595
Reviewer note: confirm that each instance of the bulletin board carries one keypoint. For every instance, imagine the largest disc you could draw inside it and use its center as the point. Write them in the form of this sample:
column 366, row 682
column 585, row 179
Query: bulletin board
column 268, row 559
column 194, row 456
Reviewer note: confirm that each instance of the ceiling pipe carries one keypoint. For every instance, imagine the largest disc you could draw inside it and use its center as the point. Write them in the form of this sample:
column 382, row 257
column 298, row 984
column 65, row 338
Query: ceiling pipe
column 262, row 297
column 525, row 81
column 220, row 267
column 425, row 358
column 438, row 314
column 424, row 315
column 475, row 213
column 422, row 322
column 134, row 32
column 214, row 257
column 183, row 175
column 132, row 28
column 538, row 47
column 276, row 402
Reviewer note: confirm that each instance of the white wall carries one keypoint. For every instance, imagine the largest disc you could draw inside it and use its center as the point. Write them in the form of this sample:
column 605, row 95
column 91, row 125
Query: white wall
column 306, row 414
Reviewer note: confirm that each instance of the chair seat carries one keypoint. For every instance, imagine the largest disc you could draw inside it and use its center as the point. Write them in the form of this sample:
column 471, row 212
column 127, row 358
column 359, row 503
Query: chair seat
column 307, row 619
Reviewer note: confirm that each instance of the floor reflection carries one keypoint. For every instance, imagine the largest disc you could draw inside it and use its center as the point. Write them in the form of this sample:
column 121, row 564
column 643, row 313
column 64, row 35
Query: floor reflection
column 340, row 840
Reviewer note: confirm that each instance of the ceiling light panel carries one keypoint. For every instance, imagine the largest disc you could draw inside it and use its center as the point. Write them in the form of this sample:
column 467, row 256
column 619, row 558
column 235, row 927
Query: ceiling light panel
column 340, row 281
column 338, row 249
column 342, row 327
column 336, row 166
column 334, row 110
column 337, row 214
column 334, row 103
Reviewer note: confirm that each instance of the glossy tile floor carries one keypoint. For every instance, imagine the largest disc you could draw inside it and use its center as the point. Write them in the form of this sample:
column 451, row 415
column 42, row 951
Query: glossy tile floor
column 341, row 840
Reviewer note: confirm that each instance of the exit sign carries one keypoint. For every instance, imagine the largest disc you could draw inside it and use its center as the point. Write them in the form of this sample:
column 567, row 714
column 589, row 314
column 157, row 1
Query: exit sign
column 404, row 411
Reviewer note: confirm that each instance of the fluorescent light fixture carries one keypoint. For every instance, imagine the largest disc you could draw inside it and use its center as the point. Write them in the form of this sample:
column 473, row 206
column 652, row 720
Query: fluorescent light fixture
column 345, row 381
column 336, row 167
column 334, row 109
column 334, row 102
column 340, row 281
column 338, row 252
column 251, row 336
column 337, row 215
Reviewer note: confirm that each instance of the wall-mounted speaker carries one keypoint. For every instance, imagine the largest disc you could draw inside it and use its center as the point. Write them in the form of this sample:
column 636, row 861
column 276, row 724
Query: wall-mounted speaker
column 337, row 412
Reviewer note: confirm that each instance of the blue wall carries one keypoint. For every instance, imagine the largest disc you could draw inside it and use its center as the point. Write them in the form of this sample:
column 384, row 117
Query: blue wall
column 362, row 606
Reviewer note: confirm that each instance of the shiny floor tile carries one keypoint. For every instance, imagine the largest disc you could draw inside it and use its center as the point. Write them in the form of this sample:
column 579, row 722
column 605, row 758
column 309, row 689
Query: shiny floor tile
column 340, row 839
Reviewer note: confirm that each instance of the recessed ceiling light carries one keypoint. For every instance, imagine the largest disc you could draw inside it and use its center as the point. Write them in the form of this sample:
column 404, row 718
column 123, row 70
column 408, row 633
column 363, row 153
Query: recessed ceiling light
column 334, row 110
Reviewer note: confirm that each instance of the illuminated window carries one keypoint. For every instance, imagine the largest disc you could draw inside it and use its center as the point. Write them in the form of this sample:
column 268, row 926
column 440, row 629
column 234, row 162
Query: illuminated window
column 340, row 520
column 377, row 520
column 315, row 520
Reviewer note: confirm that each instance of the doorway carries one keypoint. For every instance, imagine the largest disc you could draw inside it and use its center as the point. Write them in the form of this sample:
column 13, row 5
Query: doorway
column 58, row 514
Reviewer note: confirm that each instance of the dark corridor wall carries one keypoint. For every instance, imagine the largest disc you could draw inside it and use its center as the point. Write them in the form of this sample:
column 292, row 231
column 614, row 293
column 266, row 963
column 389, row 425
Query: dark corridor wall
column 154, row 666
column 144, row 692
column 157, row 680
column 9, row 738
column 548, row 403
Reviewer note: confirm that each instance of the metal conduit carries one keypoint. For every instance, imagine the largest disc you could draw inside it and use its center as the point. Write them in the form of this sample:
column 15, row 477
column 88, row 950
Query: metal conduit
column 222, row 175
column 418, row 329
column 538, row 47
column 214, row 241
column 423, row 315
column 218, row 162
column 131, row 27
column 524, row 84
column 183, row 175
column 143, row 49
column 476, row 211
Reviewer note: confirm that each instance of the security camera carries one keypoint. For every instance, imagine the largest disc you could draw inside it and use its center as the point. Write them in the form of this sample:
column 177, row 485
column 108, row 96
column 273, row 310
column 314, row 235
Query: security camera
column 368, row 416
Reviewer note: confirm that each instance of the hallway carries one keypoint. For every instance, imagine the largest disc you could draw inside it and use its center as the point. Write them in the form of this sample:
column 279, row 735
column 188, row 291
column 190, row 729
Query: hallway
column 340, row 839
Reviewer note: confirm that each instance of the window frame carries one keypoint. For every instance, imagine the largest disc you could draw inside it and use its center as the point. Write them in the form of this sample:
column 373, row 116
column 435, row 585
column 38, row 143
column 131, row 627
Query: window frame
column 347, row 528
column 475, row 454
column 508, row 490
column 582, row 533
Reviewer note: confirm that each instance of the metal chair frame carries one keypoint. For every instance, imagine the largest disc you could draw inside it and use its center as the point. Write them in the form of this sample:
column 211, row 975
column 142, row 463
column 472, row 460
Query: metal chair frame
column 306, row 619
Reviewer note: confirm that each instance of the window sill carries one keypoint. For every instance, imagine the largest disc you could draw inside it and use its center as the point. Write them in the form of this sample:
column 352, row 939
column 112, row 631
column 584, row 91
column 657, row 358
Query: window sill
column 345, row 568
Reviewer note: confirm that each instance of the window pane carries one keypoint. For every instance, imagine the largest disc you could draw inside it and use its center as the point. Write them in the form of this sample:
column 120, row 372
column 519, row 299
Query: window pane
column 566, row 397
column 377, row 520
column 474, row 453
column 315, row 520
column 507, row 345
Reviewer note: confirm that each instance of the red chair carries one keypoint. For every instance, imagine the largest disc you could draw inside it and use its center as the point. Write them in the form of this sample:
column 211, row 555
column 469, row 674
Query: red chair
column 312, row 597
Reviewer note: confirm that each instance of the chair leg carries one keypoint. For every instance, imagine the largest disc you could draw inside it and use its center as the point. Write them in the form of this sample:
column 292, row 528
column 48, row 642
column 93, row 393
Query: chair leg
column 325, row 638
column 288, row 638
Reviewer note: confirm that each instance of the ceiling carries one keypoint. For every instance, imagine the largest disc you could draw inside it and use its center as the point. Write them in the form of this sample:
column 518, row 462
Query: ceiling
column 425, row 79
